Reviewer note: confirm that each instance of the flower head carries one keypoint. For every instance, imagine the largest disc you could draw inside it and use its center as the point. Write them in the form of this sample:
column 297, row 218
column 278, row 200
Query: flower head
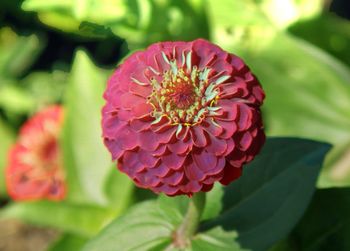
column 180, row 116
column 34, row 168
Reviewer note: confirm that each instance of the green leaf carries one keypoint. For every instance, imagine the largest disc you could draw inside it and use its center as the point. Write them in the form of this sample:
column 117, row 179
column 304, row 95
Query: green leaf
column 46, row 5
column 283, row 245
column 213, row 204
column 17, row 53
column 285, row 12
column 271, row 196
column 154, row 222
column 303, row 104
column 173, row 208
column 144, row 227
column 236, row 24
column 119, row 189
column 15, row 100
column 77, row 219
column 334, row 38
column 95, row 30
column 68, row 242
column 86, row 159
column 46, row 88
column 7, row 139
column 326, row 224
column 214, row 240
column 300, row 80
column 336, row 170
column 138, row 22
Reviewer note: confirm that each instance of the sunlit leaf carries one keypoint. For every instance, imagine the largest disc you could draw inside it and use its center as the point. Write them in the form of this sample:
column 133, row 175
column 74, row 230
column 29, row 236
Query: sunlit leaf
column 119, row 190
column 142, row 228
column 7, row 139
column 46, row 88
column 16, row 100
column 78, row 219
column 213, row 204
column 216, row 239
column 154, row 223
column 138, row 22
column 68, row 242
column 86, row 159
column 285, row 12
column 17, row 53
column 334, row 38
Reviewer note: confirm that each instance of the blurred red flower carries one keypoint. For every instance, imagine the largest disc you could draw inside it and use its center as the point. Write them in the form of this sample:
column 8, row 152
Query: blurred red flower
column 35, row 168
column 180, row 116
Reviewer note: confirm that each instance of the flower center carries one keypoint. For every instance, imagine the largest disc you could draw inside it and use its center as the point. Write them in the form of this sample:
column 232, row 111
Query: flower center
column 44, row 150
column 182, row 94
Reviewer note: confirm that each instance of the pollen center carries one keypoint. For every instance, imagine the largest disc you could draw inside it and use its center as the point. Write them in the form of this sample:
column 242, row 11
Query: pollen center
column 183, row 93
column 178, row 96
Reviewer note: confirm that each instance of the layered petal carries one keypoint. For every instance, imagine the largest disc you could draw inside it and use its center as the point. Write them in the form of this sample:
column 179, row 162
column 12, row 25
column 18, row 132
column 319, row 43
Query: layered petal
column 35, row 169
column 181, row 116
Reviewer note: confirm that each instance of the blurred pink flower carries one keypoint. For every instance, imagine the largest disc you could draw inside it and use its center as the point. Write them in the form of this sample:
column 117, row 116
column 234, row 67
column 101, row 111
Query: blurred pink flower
column 34, row 168
column 180, row 116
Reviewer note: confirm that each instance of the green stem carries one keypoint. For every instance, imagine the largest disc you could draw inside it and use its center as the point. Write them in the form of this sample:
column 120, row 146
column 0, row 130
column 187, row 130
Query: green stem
column 191, row 221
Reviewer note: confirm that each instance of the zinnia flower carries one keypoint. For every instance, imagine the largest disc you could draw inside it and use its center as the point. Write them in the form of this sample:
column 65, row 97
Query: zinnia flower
column 180, row 116
column 35, row 168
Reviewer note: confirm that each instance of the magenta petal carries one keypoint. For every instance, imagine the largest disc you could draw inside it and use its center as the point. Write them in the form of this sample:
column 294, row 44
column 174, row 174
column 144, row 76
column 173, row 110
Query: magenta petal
column 236, row 89
column 230, row 90
column 258, row 94
column 174, row 179
column 160, row 170
column 230, row 146
column 167, row 189
column 165, row 136
column 230, row 173
column 147, row 159
column 148, row 141
column 204, row 160
column 148, row 179
column 129, row 100
column 183, row 133
column 193, row 172
column 191, row 187
column 161, row 149
column 198, row 136
column 216, row 145
column 138, row 125
column 245, row 116
column 245, row 141
column 111, row 126
column 171, row 133
column 130, row 164
column 141, row 110
column 162, row 125
column 173, row 161
column 211, row 128
column 114, row 148
column 230, row 110
column 138, row 90
column 229, row 127
column 126, row 138
column 180, row 147
column 124, row 115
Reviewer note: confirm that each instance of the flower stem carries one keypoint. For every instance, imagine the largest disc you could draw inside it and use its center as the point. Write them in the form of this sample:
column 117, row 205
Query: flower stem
column 190, row 223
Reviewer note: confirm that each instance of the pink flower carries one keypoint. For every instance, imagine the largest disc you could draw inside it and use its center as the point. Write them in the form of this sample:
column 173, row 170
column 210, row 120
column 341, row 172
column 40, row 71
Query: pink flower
column 34, row 168
column 180, row 116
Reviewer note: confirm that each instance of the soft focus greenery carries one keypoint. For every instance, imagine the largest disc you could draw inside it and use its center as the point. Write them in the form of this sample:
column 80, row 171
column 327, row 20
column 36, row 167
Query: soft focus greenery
column 62, row 51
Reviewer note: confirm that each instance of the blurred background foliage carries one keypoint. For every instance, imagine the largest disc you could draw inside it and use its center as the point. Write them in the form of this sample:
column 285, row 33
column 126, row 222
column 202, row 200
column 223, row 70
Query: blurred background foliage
column 62, row 51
